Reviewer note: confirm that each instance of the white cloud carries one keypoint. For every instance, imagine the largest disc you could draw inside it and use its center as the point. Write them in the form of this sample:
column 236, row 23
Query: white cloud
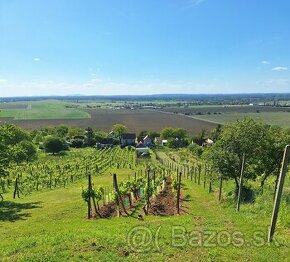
column 265, row 62
column 36, row 59
column 280, row 68
column 3, row 80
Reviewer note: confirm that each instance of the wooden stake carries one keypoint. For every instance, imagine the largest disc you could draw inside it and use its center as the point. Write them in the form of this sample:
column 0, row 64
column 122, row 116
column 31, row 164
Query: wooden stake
column 241, row 184
column 120, row 201
column 178, row 193
column 16, row 190
column 115, row 185
column 210, row 182
column 147, row 194
column 199, row 173
column 221, row 187
column 205, row 173
column 282, row 176
column 89, row 200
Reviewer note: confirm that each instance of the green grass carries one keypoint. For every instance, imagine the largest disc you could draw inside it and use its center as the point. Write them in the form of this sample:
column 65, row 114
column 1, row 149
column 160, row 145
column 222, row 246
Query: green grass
column 47, row 109
column 51, row 226
column 273, row 118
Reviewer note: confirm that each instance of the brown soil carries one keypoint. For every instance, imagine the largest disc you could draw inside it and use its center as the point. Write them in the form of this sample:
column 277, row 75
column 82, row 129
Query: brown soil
column 109, row 210
column 135, row 120
column 164, row 204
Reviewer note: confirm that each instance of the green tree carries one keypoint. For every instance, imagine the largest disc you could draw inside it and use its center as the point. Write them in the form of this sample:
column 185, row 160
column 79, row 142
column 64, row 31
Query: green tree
column 4, row 161
column 100, row 135
column 90, row 137
column 75, row 131
column 216, row 133
column 200, row 137
column 38, row 138
column 153, row 134
column 179, row 133
column 167, row 133
column 54, row 145
column 11, row 135
column 61, row 131
column 119, row 129
column 270, row 161
column 243, row 137
column 29, row 150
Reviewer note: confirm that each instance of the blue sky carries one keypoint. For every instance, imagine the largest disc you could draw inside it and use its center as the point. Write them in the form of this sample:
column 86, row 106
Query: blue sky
column 144, row 47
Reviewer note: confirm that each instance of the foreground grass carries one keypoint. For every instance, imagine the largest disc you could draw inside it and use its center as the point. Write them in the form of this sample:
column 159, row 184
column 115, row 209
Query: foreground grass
column 51, row 226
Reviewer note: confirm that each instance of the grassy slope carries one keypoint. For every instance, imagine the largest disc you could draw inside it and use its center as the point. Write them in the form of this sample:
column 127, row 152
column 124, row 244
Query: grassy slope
column 272, row 118
column 56, row 230
column 44, row 110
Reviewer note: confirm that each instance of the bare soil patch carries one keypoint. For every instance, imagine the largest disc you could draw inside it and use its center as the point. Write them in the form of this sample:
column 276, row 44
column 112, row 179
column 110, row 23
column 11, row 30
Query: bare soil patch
column 164, row 204
column 110, row 210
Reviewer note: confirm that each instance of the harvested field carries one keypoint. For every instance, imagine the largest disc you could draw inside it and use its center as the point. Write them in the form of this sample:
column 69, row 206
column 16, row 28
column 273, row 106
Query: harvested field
column 135, row 120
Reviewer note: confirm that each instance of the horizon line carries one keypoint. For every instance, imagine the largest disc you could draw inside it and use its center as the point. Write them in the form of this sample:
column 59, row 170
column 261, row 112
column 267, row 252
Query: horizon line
column 159, row 94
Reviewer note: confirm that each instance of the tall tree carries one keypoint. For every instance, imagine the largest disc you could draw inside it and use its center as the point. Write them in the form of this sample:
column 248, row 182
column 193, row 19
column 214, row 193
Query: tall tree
column 119, row 129
column 243, row 137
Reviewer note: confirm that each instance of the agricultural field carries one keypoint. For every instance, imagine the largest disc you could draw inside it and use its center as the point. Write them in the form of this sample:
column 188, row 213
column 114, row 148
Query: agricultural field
column 272, row 118
column 98, row 116
column 220, row 109
column 102, row 115
column 40, row 110
column 52, row 225
column 279, row 116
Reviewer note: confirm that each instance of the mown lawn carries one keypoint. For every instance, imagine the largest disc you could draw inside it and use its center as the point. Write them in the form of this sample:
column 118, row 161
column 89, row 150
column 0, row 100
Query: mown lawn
column 51, row 226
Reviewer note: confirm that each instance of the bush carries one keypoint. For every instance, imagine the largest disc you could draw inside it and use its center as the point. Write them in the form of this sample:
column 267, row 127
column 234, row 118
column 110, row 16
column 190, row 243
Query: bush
column 248, row 194
column 177, row 143
column 195, row 149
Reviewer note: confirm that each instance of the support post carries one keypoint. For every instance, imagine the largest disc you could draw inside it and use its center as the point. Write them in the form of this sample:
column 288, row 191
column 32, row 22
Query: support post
column 199, row 173
column 279, row 190
column 241, row 184
column 221, row 188
column 178, row 194
column 89, row 200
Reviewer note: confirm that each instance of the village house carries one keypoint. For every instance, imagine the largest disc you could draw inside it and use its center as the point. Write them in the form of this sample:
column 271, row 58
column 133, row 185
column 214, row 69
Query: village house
column 105, row 143
column 128, row 140
column 144, row 140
